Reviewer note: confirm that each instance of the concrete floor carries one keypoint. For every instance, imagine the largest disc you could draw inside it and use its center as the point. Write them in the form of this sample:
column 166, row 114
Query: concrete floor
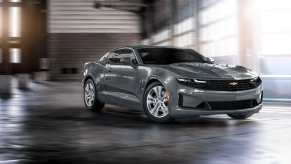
column 49, row 124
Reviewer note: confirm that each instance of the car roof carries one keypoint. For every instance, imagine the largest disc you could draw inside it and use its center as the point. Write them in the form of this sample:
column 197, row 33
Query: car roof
column 148, row 46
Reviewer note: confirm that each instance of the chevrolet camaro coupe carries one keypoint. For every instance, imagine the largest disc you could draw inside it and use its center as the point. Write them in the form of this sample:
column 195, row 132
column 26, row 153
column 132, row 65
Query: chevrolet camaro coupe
column 167, row 82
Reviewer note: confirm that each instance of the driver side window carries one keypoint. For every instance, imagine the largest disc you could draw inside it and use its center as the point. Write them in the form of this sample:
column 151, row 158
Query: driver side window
column 115, row 57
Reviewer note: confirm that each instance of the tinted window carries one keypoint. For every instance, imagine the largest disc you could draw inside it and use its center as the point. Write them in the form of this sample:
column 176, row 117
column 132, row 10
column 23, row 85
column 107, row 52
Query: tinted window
column 170, row 55
column 116, row 56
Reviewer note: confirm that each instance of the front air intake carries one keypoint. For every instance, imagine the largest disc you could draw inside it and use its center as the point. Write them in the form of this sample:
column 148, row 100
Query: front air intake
column 228, row 105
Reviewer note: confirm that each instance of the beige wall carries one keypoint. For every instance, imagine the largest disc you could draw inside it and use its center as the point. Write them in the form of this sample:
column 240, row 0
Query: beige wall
column 78, row 16
column 78, row 34
column 74, row 50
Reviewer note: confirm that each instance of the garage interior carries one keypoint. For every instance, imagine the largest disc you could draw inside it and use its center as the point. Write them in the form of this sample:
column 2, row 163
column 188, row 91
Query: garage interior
column 44, row 45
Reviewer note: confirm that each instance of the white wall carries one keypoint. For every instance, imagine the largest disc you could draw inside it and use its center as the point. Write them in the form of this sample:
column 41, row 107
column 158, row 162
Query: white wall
column 78, row 16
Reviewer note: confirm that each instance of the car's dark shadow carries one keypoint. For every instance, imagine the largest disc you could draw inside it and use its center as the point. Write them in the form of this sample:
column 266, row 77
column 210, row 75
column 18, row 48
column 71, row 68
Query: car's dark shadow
column 6, row 96
column 122, row 117
column 60, row 130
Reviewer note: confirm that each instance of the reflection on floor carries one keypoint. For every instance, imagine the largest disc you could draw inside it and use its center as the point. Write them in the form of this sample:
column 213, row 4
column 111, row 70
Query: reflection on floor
column 49, row 124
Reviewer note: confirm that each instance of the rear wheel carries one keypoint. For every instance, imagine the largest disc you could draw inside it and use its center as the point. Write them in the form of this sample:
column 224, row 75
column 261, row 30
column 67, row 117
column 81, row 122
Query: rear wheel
column 90, row 97
column 240, row 116
column 156, row 103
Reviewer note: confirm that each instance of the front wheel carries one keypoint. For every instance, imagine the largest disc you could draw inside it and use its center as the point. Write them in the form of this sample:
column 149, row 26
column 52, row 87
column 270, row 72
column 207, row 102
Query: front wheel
column 240, row 116
column 90, row 97
column 156, row 103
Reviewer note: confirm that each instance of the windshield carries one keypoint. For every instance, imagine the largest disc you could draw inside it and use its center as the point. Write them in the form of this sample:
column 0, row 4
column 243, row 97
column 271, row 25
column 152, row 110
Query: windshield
column 170, row 56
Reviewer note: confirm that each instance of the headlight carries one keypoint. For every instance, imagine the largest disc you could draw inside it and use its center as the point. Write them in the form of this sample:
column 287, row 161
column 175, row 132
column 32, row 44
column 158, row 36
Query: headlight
column 191, row 81
column 255, row 79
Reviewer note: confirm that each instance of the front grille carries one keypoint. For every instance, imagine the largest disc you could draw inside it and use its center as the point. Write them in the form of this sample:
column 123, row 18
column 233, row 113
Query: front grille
column 224, row 85
column 226, row 105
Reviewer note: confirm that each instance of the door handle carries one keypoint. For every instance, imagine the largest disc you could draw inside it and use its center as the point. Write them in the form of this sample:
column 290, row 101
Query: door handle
column 109, row 69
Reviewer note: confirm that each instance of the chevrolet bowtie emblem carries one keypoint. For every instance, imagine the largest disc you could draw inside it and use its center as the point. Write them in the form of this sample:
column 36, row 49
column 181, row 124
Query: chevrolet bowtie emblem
column 233, row 83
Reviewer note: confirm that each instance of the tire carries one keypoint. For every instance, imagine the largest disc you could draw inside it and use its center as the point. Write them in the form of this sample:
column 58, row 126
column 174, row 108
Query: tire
column 90, row 94
column 240, row 116
column 156, row 106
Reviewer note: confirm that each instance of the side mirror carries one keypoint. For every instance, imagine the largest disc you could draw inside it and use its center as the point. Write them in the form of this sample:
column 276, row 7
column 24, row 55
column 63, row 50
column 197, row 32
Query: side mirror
column 211, row 59
column 127, row 60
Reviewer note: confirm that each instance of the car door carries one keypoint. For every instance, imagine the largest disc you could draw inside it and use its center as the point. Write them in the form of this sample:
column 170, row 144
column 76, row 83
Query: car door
column 120, row 79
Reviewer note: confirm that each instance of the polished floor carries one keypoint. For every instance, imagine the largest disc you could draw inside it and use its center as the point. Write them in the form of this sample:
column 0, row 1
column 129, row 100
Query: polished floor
column 49, row 124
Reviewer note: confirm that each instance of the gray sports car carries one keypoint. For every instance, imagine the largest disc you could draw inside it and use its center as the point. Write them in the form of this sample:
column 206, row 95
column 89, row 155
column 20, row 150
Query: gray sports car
column 169, row 82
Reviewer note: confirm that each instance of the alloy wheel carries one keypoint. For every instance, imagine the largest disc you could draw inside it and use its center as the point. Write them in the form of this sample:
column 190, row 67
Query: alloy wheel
column 157, row 102
column 89, row 94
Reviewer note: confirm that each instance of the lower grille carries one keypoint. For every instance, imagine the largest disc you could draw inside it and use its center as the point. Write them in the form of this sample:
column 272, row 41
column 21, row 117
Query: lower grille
column 226, row 105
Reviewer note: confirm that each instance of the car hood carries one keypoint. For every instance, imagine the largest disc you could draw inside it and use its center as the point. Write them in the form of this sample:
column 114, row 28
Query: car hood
column 211, row 71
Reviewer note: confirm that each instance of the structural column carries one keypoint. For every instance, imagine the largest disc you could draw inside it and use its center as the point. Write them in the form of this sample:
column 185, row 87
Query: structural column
column 5, row 79
column 246, row 34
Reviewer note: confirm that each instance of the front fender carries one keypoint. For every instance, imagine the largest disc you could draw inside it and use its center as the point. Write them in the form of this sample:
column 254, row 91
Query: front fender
column 166, row 78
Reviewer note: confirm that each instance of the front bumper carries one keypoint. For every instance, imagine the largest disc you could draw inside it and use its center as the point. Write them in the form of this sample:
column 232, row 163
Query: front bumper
column 193, row 97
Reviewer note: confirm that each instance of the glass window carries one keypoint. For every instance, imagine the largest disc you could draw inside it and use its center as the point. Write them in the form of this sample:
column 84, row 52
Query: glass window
column 116, row 56
column 15, row 15
column 270, row 46
column 14, row 0
column 0, row 21
column 0, row 55
column 166, row 43
column 184, row 26
column 170, row 56
column 276, row 21
column 163, row 35
column 15, row 55
column 273, row 4
column 145, row 42
column 184, row 40
column 129, row 53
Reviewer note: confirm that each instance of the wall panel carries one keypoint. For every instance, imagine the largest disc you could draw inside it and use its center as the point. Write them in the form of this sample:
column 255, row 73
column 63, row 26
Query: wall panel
column 73, row 50
column 70, row 16
column 78, row 34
